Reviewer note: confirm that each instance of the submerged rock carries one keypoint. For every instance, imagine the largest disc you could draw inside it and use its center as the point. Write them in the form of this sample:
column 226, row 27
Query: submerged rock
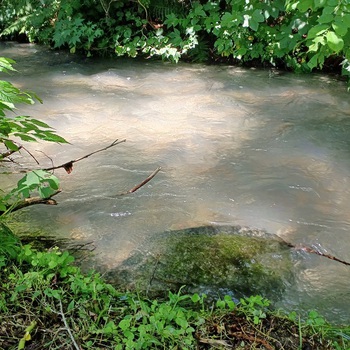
column 215, row 260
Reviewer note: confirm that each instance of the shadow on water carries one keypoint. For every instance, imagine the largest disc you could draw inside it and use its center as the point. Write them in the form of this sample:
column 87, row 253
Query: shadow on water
column 236, row 147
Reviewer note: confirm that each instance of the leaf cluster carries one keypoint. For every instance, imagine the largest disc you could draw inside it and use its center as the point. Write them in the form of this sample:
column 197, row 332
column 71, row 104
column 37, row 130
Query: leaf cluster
column 16, row 129
column 294, row 34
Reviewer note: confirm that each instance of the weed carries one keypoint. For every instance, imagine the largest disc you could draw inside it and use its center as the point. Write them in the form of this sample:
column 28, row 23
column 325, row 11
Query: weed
column 46, row 301
column 254, row 307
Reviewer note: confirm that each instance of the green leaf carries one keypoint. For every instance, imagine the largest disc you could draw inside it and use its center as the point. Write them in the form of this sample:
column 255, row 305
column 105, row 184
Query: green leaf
column 325, row 18
column 24, row 137
column 334, row 42
column 304, row 5
column 317, row 30
column 220, row 304
column 37, row 122
column 53, row 182
column 11, row 145
column 195, row 298
column 258, row 16
column 124, row 324
column 6, row 64
column 340, row 28
column 45, row 192
column 50, row 136
column 319, row 3
column 32, row 179
column 313, row 62
column 318, row 40
column 71, row 305
column 346, row 20
column 228, row 20
column 52, row 264
column 253, row 24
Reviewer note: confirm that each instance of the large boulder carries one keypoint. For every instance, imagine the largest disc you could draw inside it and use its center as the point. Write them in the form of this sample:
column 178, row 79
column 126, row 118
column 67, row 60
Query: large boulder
column 214, row 260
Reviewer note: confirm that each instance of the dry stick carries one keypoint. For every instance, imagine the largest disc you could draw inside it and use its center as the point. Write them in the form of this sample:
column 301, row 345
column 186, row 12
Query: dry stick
column 67, row 327
column 46, row 156
column 30, row 154
column 149, row 178
column 216, row 343
column 69, row 165
column 313, row 251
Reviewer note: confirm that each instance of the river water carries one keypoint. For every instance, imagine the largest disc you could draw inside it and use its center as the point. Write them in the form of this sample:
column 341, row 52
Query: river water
column 257, row 148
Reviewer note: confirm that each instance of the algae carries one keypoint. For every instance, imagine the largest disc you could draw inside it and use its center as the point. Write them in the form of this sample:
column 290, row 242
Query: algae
column 228, row 259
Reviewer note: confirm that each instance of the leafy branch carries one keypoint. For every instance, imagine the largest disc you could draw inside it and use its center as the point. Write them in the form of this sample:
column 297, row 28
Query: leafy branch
column 36, row 186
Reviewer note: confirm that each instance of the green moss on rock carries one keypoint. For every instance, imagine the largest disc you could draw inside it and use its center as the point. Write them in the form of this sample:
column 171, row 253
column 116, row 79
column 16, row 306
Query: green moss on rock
column 209, row 259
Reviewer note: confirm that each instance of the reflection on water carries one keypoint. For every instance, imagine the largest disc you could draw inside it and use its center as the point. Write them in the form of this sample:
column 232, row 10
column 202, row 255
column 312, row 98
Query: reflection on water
column 236, row 146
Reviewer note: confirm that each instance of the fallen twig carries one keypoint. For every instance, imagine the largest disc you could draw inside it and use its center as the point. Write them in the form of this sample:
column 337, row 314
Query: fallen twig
column 328, row 256
column 68, row 167
column 313, row 251
column 61, row 313
column 149, row 178
column 217, row 343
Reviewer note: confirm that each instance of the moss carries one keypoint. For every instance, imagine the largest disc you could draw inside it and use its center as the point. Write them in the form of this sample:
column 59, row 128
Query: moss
column 213, row 259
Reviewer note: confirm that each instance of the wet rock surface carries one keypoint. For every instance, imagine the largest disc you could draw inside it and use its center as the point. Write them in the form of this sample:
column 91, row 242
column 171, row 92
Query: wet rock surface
column 215, row 260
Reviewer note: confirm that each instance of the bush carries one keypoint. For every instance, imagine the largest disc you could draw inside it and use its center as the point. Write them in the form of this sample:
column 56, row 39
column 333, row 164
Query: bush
column 298, row 35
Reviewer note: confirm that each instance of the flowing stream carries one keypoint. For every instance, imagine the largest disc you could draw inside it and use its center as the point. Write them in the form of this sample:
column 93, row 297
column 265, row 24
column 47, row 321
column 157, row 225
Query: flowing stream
column 264, row 149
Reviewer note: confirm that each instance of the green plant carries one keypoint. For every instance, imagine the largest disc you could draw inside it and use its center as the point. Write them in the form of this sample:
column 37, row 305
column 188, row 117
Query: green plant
column 226, row 303
column 315, row 325
column 25, row 129
column 44, row 296
column 298, row 35
column 10, row 245
column 254, row 307
column 155, row 323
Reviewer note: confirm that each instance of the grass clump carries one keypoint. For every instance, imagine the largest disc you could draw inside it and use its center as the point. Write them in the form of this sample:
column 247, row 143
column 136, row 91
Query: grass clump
column 47, row 302
column 65, row 308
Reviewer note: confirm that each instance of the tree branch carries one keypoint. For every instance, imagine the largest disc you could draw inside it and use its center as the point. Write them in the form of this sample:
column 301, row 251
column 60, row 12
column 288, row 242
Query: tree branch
column 313, row 251
column 19, row 147
column 8, row 153
column 149, row 178
column 30, row 201
column 68, row 167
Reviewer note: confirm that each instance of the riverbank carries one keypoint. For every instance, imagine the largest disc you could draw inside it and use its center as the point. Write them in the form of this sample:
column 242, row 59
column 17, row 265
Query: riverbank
column 46, row 301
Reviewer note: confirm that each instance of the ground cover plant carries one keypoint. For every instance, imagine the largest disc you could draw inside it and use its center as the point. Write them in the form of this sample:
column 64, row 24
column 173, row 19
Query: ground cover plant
column 47, row 302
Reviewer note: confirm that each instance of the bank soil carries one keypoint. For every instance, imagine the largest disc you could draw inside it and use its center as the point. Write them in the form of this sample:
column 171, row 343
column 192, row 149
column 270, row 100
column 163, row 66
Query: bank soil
column 233, row 331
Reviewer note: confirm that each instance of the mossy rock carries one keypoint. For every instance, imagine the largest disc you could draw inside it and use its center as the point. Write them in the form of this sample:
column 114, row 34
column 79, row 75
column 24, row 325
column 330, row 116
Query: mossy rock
column 210, row 259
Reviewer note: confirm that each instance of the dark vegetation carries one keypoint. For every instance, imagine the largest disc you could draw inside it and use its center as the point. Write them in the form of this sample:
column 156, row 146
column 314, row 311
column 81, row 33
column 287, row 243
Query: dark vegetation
column 295, row 35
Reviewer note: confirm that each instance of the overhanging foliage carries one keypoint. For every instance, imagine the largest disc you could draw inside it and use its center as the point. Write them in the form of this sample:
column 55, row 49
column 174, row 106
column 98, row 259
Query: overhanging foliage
column 299, row 35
